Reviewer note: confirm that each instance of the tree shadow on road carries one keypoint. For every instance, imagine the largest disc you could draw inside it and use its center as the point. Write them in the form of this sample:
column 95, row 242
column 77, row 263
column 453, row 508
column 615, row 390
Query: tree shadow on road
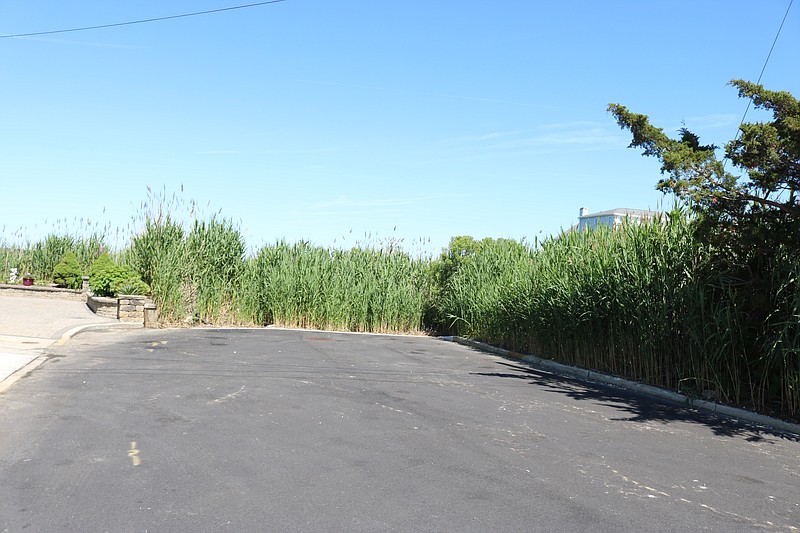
column 638, row 407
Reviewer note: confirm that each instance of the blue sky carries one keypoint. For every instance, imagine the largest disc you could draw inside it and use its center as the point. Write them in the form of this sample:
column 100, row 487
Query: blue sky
column 352, row 121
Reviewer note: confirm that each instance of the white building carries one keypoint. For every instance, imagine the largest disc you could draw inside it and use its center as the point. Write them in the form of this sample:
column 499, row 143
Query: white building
column 613, row 217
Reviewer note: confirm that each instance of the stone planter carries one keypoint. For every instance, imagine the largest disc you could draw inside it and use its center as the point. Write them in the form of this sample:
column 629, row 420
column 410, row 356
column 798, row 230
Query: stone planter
column 101, row 306
column 131, row 308
column 125, row 308
column 40, row 291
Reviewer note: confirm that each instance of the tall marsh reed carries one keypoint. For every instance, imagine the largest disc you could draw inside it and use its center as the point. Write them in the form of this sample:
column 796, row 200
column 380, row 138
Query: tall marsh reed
column 640, row 301
column 299, row 285
column 193, row 266
column 39, row 258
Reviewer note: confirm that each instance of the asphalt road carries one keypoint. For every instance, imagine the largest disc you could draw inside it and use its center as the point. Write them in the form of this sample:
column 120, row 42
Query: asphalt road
column 270, row 430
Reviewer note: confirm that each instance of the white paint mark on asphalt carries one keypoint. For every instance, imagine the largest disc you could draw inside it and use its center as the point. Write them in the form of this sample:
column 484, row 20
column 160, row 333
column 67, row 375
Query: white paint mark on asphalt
column 394, row 409
column 638, row 489
column 227, row 397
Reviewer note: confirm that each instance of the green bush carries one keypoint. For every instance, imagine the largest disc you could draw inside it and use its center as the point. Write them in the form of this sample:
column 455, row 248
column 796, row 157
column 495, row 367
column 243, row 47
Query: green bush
column 68, row 272
column 102, row 274
column 106, row 278
column 131, row 285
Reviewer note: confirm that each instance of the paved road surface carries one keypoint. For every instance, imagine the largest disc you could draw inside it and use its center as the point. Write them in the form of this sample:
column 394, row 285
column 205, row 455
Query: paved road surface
column 269, row 430
column 29, row 326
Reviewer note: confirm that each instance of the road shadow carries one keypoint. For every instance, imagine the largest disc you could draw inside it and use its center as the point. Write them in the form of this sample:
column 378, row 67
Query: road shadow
column 634, row 406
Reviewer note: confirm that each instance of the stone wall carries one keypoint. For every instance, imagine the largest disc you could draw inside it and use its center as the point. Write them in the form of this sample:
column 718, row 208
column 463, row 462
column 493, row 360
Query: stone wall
column 131, row 308
column 125, row 308
column 107, row 307
column 39, row 291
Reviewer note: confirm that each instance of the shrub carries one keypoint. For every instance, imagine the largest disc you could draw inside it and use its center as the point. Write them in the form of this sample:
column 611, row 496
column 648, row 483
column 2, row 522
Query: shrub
column 102, row 275
column 109, row 279
column 68, row 272
column 131, row 285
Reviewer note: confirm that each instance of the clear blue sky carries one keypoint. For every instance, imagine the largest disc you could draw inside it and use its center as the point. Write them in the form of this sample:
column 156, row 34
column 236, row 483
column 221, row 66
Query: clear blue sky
column 338, row 122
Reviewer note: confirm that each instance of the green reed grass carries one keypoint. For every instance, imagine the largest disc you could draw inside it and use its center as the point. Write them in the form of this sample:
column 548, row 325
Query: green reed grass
column 640, row 301
column 301, row 285
column 157, row 254
column 39, row 258
column 193, row 266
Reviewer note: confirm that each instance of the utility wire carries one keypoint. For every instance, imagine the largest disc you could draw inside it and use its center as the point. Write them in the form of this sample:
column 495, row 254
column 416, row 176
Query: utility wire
column 766, row 61
column 764, row 68
column 143, row 21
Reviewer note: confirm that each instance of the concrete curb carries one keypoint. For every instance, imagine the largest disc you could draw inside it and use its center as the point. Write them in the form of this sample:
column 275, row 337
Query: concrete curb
column 20, row 373
column 123, row 326
column 649, row 390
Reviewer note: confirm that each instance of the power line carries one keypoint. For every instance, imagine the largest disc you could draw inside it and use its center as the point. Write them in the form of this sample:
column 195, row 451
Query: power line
column 763, row 69
column 766, row 61
column 128, row 23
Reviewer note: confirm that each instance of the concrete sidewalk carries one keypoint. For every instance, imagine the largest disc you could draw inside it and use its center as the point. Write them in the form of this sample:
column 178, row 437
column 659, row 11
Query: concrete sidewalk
column 30, row 325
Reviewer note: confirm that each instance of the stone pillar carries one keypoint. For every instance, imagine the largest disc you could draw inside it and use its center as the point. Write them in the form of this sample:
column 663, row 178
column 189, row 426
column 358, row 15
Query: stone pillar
column 85, row 286
column 131, row 308
column 150, row 315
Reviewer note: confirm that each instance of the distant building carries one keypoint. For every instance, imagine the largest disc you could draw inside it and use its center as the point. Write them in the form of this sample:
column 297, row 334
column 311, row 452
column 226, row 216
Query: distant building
column 613, row 217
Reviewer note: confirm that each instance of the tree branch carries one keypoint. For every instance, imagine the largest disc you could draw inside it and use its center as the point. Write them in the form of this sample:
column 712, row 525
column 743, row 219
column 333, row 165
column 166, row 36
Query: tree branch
column 786, row 208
